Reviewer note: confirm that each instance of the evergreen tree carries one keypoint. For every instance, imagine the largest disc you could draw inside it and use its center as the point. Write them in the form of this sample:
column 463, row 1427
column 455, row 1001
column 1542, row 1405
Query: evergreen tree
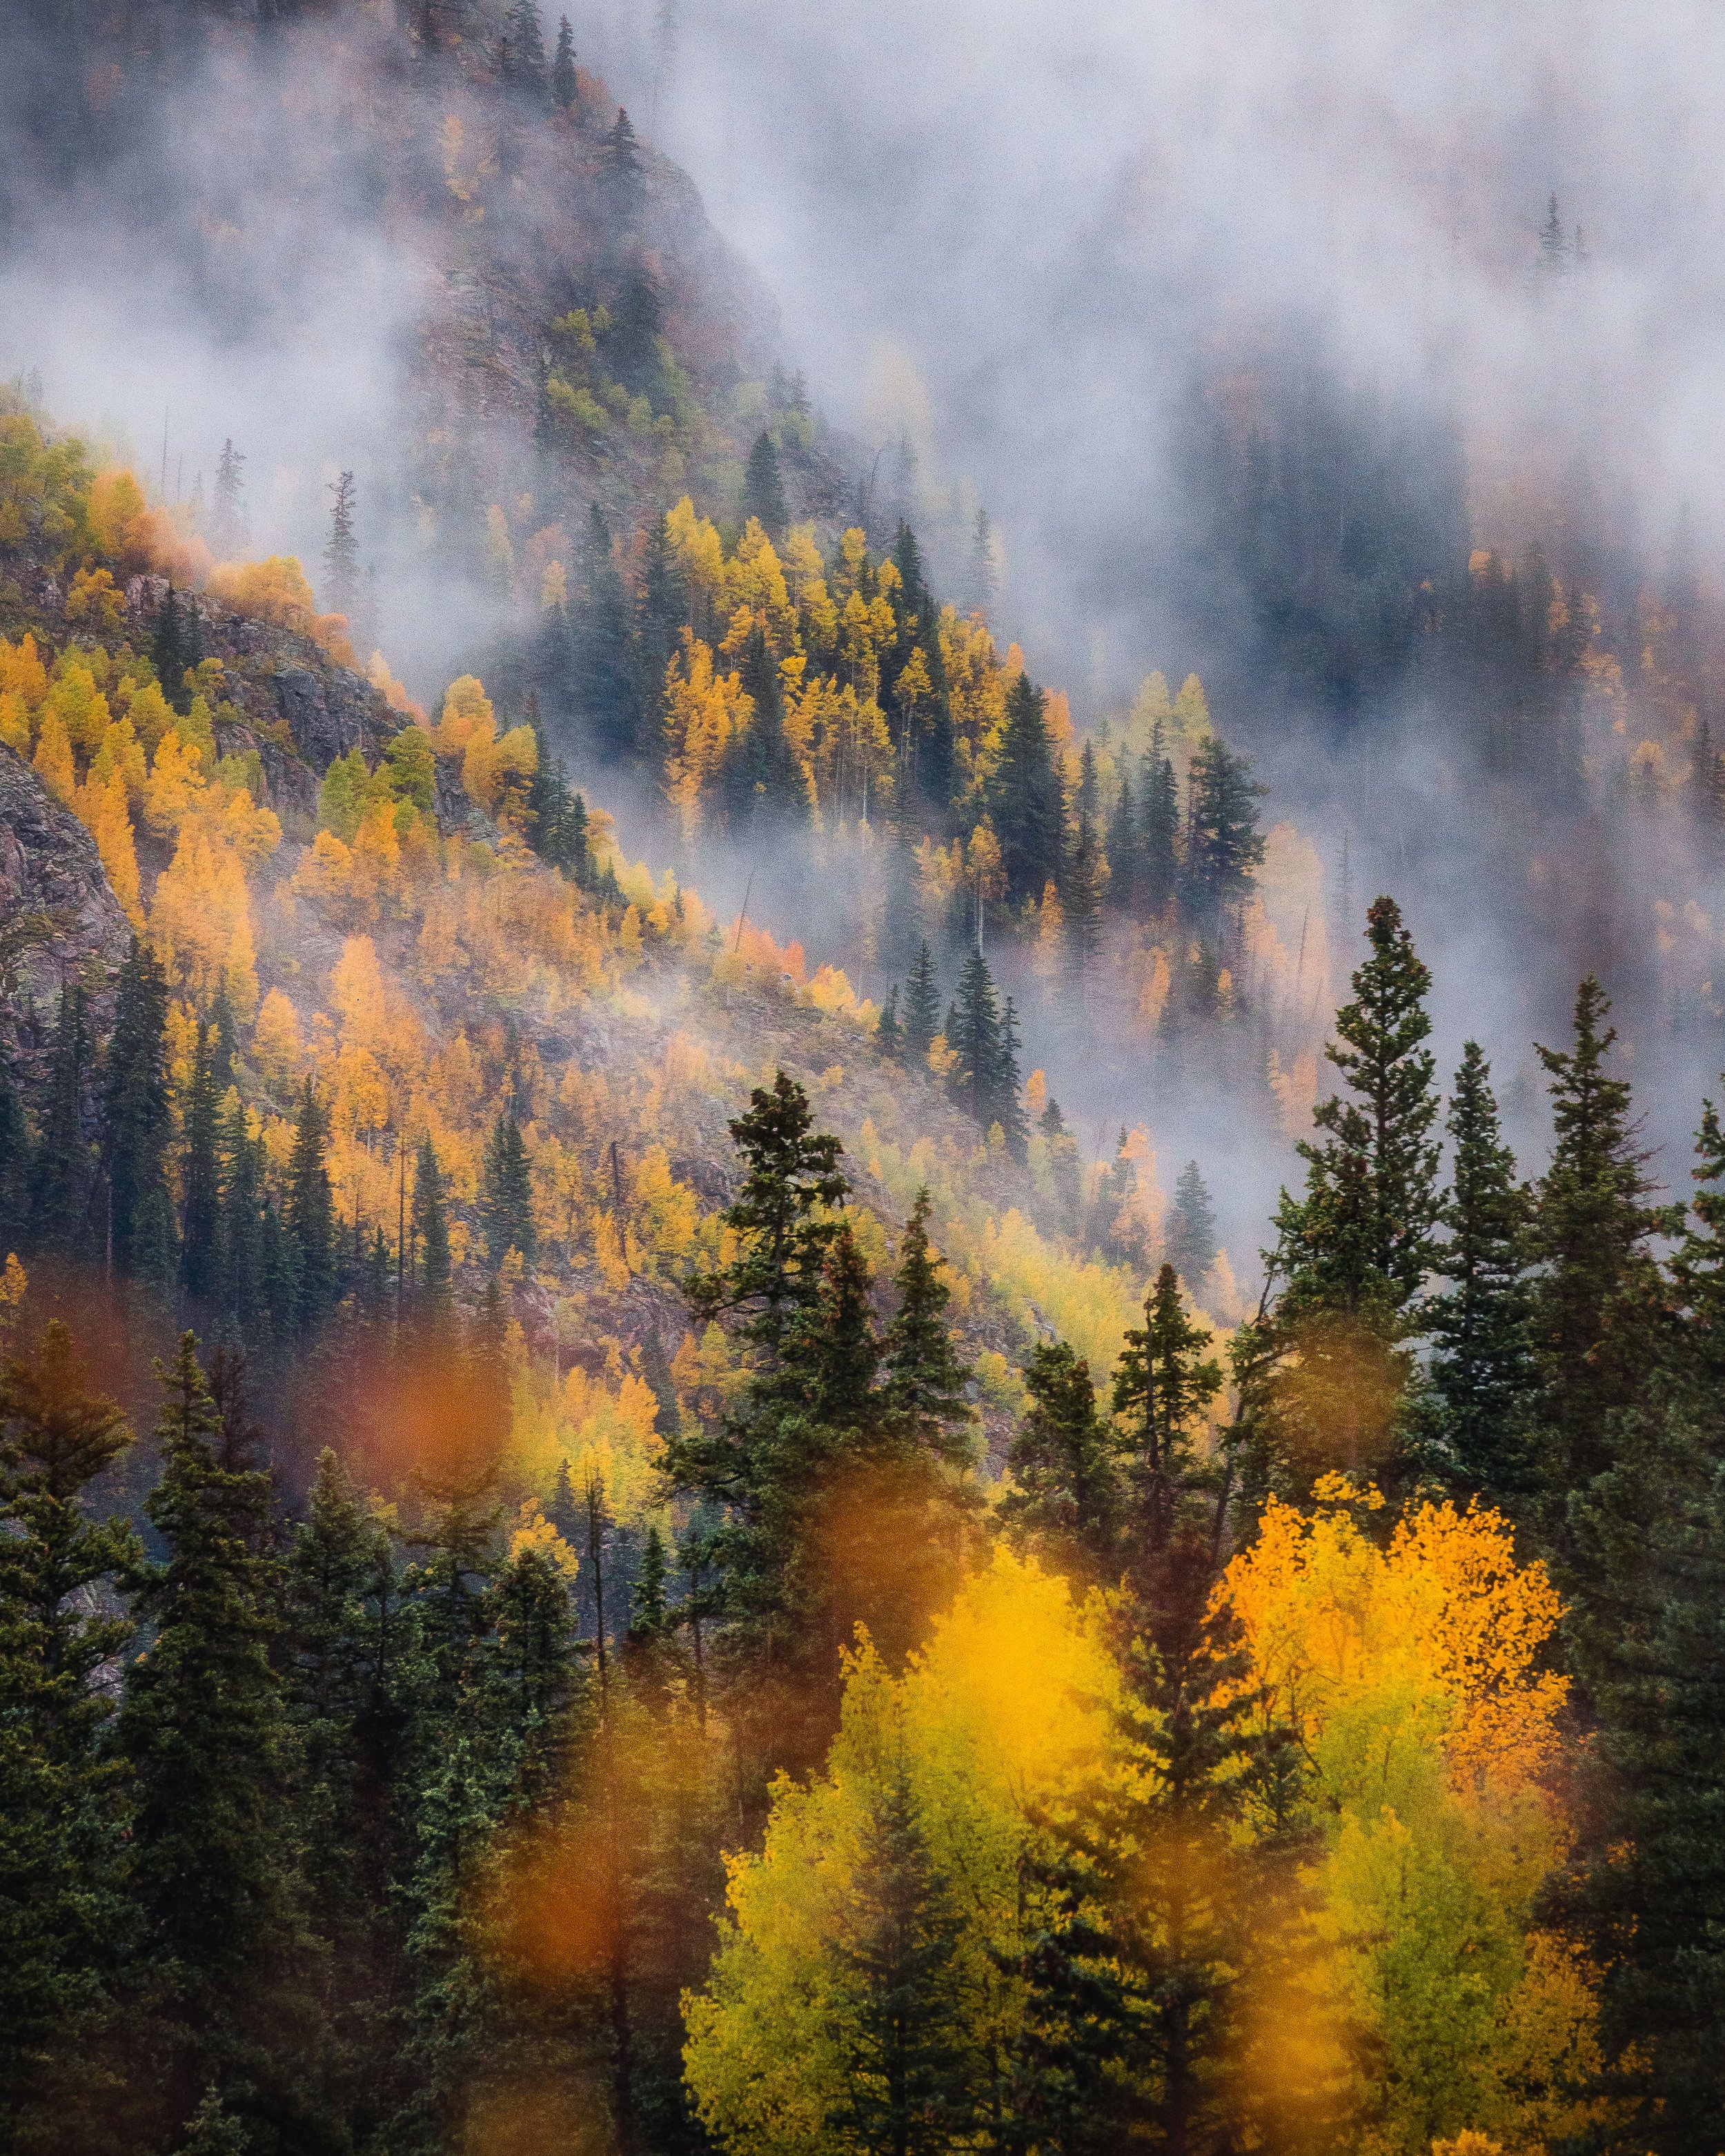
column 620, row 165
column 562, row 67
column 606, row 688
column 1159, row 828
column 925, row 1376
column 139, row 1124
column 203, row 1730
column 765, row 789
column 341, row 551
column 61, row 1165
column 227, row 533
column 1125, row 869
column 984, row 1038
column 912, row 2069
column 763, row 488
column 1361, row 1238
column 433, row 1301
column 170, row 648
column 62, row 1918
column 922, row 1007
column 310, row 1212
column 889, row 1032
column 524, row 46
column 1482, row 1364
column 649, row 1608
column 241, row 1273
column 1026, row 802
column 201, row 1174
column 1223, row 846
column 506, row 1202
column 1162, row 1387
column 1065, row 1493
column 983, row 584
column 1191, row 1240
column 1087, row 878
column 1597, row 1296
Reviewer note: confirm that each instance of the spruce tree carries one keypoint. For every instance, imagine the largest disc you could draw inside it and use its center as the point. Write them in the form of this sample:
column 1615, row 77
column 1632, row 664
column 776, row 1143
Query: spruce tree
column 170, row 648
column 922, row 1007
column 912, row 2071
column 1065, row 1495
column 341, row 552
column 227, row 533
column 1158, row 845
column 139, row 1124
column 62, row 1915
column 1482, row 1373
column 648, row 1607
column 763, row 488
column 203, row 1730
column 984, row 1037
column 1223, row 846
column 1162, row 1384
column 434, row 1303
column 241, row 1257
column 1087, row 878
column 889, row 1032
column 764, row 786
column 61, row 1164
column 606, row 689
column 1191, row 1240
column 309, row 1214
column 1026, row 802
column 506, row 1202
column 1124, row 867
column 562, row 67
column 201, row 1174
column 925, row 1378
column 1597, row 1296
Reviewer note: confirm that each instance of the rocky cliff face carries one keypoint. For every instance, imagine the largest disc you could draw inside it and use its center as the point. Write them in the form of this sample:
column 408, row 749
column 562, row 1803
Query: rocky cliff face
column 58, row 910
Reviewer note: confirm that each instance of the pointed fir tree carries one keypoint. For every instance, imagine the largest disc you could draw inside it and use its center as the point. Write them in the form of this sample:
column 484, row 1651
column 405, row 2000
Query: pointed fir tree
column 524, row 36
column 241, row 1233
column 924, row 1376
column 763, row 488
column 1191, row 1241
column 309, row 1215
column 1481, row 1372
column 889, row 1032
column 61, row 1165
column 341, row 550
column 606, row 688
column 1596, row 1299
column 1164, row 1383
column 201, row 1174
column 922, row 1007
column 227, row 533
column 1025, row 799
column 649, row 1604
column 434, row 1292
column 1066, row 1497
column 562, row 68
column 1159, row 831
column 506, row 1200
column 1087, row 879
column 139, row 1124
column 1223, row 846
column 1125, row 870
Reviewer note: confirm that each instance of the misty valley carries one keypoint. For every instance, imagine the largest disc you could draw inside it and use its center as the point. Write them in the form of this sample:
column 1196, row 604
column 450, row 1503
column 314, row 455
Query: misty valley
column 862, row 980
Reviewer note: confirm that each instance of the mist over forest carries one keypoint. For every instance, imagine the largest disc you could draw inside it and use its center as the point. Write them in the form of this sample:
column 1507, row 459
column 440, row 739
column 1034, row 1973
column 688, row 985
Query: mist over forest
column 861, row 889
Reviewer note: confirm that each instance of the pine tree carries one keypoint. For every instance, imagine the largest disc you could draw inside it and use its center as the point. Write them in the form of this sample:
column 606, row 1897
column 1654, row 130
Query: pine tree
column 1191, row 1240
column 341, row 551
column 912, row 2071
column 1086, row 877
column 1162, row 1384
column 139, row 1124
column 526, row 46
column 506, row 1203
column 1125, row 870
column 61, row 1914
column 922, row 1007
column 889, row 1032
column 765, row 789
column 1597, row 1295
column 241, row 1275
column 984, row 1038
column 201, row 1174
column 203, row 1730
column 620, row 164
column 1223, row 846
column 1553, row 250
column 562, row 68
column 1159, row 828
column 60, row 1166
column 434, row 1304
column 1066, row 1494
column 1361, row 1238
column 228, row 534
column 310, row 1212
column 606, row 686
column 925, row 1376
column 170, row 650
column 1482, row 1364
column 763, row 488
column 649, row 1608
column 1026, row 802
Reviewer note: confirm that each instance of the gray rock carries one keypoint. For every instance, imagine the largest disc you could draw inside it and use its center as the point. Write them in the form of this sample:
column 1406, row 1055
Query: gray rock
column 49, row 867
column 321, row 733
column 289, row 786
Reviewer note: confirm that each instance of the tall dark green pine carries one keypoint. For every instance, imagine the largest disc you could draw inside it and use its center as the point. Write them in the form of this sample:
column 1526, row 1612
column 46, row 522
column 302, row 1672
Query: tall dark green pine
column 606, row 689
column 1223, row 846
column 913, row 2074
column 138, row 1124
column 763, row 488
column 922, row 1006
column 1125, row 847
column 63, row 1917
column 1162, row 1384
column 1191, row 1238
column 201, row 1175
column 1159, row 828
column 924, row 1376
column 985, row 1039
column 433, row 1288
column 889, row 1031
column 764, row 788
column 309, row 1214
column 562, row 67
column 1597, row 1296
column 61, row 1164
column 1482, row 1370
column 1026, row 797
column 1066, row 1494
column 506, row 1201
column 202, row 1729
column 1086, row 879
column 241, row 1279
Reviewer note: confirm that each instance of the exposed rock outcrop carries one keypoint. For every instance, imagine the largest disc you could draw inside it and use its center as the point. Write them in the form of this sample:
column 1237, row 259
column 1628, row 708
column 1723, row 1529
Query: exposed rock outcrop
column 53, row 882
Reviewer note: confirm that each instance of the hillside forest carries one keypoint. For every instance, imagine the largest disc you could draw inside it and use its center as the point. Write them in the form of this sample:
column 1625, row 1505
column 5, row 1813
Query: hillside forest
column 616, row 1534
